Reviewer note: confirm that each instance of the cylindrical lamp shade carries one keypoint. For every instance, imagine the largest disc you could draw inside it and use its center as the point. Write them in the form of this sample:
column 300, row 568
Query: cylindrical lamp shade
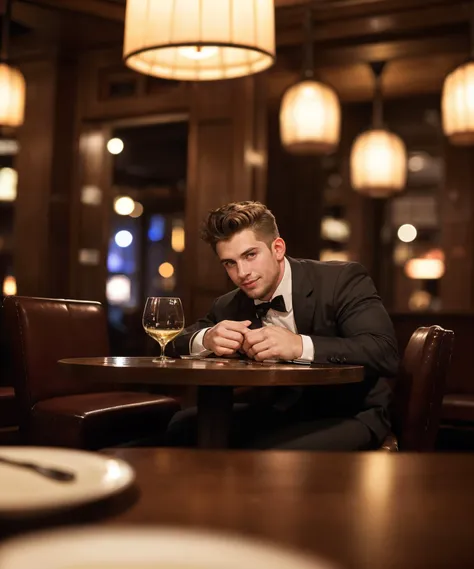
column 378, row 163
column 199, row 40
column 310, row 119
column 457, row 104
column 12, row 96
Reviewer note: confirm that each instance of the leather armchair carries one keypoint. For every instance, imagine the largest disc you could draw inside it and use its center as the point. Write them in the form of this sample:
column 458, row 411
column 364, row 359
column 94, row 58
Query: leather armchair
column 419, row 390
column 458, row 403
column 56, row 410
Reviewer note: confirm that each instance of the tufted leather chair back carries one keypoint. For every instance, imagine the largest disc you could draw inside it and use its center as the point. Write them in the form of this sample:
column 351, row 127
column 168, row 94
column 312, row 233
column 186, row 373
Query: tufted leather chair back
column 42, row 331
column 420, row 387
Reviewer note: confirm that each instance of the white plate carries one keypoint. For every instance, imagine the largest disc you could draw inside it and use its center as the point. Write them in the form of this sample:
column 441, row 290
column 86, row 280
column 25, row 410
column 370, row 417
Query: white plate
column 25, row 492
column 147, row 548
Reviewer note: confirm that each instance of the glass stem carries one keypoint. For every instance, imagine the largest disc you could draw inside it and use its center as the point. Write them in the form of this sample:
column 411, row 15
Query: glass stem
column 163, row 346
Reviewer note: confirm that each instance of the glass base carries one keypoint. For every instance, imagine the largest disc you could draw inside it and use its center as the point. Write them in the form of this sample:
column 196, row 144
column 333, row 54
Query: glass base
column 163, row 360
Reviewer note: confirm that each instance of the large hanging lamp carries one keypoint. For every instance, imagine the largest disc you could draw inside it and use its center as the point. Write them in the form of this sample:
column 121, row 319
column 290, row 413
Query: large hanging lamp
column 12, row 82
column 198, row 40
column 457, row 100
column 310, row 113
column 378, row 163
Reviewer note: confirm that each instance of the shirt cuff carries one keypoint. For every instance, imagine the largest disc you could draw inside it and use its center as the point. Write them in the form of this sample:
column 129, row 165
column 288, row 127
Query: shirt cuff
column 308, row 349
column 196, row 347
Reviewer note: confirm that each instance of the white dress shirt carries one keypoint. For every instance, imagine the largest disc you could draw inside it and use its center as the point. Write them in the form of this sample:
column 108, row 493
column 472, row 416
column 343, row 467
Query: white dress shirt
column 273, row 318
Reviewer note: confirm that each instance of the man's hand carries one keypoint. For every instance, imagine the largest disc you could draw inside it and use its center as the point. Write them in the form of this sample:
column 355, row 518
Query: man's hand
column 226, row 337
column 272, row 342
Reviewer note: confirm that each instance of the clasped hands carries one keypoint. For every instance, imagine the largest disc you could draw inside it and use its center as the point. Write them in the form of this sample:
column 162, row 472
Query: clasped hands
column 269, row 342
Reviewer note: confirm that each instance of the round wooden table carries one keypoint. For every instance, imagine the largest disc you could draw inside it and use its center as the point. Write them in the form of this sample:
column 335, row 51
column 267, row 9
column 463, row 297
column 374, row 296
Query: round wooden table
column 215, row 380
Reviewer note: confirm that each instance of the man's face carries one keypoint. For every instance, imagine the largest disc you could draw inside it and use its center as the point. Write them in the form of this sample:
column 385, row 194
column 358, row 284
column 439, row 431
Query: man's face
column 253, row 266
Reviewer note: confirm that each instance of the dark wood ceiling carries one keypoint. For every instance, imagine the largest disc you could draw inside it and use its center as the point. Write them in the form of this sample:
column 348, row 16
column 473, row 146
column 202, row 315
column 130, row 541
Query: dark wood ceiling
column 51, row 28
column 429, row 36
column 421, row 39
column 334, row 20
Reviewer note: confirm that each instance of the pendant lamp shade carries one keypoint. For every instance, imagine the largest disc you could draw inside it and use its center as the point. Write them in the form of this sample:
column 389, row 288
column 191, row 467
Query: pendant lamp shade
column 420, row 268
column 198, row 40
column 378, row 163
column 310, row 118
column 457, row 105
column 12, row 96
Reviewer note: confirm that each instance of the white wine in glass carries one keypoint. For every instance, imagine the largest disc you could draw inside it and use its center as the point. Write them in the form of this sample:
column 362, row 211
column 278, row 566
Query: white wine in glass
column 163, row 320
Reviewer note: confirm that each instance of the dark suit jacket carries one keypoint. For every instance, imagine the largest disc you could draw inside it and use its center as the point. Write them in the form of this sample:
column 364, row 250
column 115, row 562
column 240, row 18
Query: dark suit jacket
column 338, row 306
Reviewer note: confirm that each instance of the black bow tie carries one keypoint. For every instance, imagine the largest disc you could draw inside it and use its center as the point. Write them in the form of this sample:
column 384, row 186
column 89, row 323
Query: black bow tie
column 278, row 303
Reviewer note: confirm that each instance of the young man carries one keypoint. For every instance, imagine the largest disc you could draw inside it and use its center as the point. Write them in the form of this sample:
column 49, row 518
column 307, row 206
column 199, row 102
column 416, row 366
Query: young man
column 291, row 309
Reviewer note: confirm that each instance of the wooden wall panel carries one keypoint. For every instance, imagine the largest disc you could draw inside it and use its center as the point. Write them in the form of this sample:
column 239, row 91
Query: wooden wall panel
column 260, row 139
column 61, row 212
column 99, row 69
column 295, row 194
column 457, row 229
column 34, row 163
column 43, row 214
column 92, row 221
column 215, row 177
column 223, row 128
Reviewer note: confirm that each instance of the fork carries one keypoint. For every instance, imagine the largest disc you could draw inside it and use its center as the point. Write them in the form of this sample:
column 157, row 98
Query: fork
column 53, row 473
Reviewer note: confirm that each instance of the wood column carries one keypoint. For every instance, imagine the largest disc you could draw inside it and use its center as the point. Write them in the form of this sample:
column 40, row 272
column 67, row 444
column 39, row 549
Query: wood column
column 92, row 206
column 295, row 194
column 457, row 229
column 42, row 228
column 226, row 163
column 360, row 209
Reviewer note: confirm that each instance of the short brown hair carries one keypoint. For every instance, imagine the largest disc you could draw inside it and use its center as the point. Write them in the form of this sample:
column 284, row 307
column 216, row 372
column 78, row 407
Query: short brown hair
column 223, row 223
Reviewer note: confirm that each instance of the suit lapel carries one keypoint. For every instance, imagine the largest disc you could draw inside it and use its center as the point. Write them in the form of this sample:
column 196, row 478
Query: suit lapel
column 303, row 297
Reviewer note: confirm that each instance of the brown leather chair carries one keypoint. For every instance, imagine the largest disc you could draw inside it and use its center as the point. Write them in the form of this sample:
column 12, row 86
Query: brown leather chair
column 419, row 390
column 56, row 410
column 458, row 403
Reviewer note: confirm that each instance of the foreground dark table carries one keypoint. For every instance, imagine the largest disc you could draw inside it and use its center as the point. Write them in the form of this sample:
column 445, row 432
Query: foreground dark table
column 215, row 381
column 361, row 510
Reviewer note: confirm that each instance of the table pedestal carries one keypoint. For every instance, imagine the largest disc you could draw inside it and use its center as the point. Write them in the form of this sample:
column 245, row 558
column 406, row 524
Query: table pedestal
column 214, row 403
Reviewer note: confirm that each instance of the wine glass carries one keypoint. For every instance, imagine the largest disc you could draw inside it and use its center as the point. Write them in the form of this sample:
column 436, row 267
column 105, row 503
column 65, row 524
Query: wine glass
column 163, row 320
